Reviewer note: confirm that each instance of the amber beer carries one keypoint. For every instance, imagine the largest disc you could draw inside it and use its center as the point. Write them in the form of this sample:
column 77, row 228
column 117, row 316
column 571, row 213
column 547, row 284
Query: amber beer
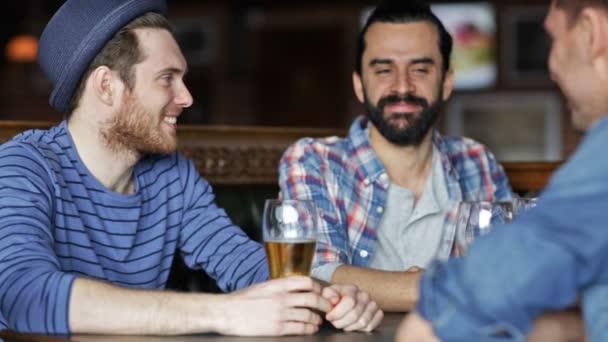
column 289, row 257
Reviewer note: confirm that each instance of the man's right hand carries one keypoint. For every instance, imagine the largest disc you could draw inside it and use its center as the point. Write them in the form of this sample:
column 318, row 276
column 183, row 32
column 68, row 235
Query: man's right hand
column 286, row 306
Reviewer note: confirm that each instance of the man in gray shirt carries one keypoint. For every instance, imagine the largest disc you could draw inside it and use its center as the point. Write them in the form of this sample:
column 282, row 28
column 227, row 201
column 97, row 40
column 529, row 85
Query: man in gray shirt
column 382, row 191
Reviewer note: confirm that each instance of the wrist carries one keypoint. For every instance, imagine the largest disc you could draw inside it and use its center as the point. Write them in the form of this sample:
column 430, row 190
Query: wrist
column 215, row 315
column 206, row 312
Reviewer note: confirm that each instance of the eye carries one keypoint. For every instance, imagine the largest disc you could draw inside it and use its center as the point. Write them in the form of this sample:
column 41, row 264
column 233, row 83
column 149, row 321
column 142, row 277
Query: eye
column 166, row 79
column 423, row 71
column 383, row 71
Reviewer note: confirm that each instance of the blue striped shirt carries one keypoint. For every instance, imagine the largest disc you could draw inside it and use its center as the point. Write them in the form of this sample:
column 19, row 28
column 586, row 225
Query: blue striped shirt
column 57, row 222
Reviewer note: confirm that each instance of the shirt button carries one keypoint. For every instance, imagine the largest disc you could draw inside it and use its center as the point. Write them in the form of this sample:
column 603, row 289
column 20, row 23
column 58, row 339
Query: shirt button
column 363, row 253
column 366, row 181
column 379, row 210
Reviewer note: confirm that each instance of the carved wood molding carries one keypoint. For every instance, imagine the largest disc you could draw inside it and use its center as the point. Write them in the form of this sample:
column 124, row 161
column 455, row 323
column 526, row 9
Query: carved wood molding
column 250, row 155
column 239, row 154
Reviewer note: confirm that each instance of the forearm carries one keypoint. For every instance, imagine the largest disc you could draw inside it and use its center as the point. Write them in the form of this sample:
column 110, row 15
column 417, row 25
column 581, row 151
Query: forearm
column 97, row 307
column 558, row 326
column 393, row 291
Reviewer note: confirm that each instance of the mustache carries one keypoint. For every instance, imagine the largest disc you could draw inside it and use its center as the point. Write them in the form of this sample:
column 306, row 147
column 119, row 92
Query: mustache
column 406, row 98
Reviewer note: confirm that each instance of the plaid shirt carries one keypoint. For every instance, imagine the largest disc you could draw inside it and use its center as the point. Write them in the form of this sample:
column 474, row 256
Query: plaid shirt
column 349, row 184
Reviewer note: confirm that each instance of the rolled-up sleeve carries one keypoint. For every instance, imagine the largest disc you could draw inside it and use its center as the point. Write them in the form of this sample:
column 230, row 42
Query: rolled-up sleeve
column 303, row 175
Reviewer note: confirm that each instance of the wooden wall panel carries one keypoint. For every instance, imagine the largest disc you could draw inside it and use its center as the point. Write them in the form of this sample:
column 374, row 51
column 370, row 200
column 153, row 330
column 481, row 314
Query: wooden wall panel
column 233, row 155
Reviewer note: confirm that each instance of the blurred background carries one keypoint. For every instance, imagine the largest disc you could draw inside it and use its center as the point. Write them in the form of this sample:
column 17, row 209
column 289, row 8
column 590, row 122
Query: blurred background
column 289, row 63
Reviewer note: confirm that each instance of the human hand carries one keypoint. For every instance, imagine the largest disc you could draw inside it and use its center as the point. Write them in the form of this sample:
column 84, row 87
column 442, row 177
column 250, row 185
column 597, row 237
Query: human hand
column 283, row 306
column 353, row 309
column 414, row 328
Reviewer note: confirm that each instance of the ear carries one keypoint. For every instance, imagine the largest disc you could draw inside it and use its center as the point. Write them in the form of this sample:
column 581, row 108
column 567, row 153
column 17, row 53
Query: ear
column 593, row 33
column 448, row 83
column 104, row 83
column 358, row 87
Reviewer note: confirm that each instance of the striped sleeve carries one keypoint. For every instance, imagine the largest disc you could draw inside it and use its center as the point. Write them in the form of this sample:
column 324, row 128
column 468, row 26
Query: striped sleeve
column 34, row 293
column 209, row 240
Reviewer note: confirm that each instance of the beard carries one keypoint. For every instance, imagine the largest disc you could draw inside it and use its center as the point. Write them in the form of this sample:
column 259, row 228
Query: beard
column 135, row 129
column 418, row 124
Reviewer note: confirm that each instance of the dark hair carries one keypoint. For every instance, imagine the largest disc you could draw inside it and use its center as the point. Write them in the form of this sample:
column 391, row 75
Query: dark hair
column 405, row 11
column 121, row 53
column 574, row 7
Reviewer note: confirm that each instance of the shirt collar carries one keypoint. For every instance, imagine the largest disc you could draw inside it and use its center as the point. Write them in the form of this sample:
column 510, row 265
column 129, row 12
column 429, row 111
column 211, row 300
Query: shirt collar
column 371, row 167
column 444, row 153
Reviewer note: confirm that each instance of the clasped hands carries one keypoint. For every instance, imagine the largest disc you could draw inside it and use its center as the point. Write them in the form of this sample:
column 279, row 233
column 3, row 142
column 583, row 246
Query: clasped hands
column 295, row 306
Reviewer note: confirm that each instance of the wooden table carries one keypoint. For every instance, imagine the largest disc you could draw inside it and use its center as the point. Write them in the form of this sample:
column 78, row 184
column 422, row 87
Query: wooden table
column 385, row 332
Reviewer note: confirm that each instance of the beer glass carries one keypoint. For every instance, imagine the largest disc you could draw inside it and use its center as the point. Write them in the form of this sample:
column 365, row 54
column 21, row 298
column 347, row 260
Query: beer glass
column 290, row 236
column 523, row 204
column 475, row 219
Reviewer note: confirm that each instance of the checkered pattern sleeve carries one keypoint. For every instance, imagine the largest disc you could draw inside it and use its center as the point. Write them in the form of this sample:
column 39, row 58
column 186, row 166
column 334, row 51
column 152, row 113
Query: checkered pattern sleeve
column 304, row 173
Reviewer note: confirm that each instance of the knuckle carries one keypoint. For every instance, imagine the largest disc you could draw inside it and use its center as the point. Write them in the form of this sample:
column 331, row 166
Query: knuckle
column 310, row 329
column 313, row 300
column 310, row 316
column 278, row 328
column 373, row 306
column 309, row 283
column 364, row 297
column 352, row 289
column 281, row 300
column 353, row 317
column 362, row 324
column 350, row 301
column 310, row 300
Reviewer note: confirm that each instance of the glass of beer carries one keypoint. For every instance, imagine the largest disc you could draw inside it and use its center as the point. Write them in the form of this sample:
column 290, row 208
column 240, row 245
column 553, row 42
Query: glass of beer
column 475, row 219
column 290, row 236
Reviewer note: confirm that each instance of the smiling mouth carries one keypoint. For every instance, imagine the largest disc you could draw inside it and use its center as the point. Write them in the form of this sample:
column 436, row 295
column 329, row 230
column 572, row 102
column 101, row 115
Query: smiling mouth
column 403, row 107
column 172, row 120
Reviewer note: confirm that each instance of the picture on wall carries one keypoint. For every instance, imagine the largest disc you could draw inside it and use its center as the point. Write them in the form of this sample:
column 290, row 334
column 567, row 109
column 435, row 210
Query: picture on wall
column 515, row 126
column 473, row 30
column 526, row 46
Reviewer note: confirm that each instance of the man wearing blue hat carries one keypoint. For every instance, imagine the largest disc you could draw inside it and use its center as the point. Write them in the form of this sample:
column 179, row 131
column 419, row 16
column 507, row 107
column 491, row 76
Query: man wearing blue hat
column 93, row 210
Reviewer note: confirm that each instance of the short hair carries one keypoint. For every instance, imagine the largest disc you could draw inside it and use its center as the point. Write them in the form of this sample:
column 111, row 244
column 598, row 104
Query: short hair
column 121, row 53
column 574, row 7
column 402, row 12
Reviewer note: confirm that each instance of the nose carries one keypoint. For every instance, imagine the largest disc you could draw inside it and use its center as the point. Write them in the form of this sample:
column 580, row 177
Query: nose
column 403, row 84
column 183, row 98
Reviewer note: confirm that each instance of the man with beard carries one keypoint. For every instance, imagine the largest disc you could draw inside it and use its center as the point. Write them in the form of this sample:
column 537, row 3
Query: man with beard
column 383, row 190
column 93, row 210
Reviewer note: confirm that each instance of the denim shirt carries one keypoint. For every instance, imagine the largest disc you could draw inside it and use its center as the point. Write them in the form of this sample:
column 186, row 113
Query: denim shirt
column 542, row 261
column 349, row 184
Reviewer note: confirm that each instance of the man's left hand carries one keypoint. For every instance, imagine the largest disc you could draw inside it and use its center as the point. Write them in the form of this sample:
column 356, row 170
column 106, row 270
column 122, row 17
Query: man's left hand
column 354, row 310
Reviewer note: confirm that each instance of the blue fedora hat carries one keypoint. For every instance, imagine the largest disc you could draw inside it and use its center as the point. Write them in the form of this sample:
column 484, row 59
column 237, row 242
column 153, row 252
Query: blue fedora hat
column 76, row 34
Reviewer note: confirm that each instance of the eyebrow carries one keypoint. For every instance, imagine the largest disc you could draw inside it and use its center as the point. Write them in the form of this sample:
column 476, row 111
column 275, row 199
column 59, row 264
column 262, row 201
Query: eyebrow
column 173, row 70
column 421, row 60
column 378, row 61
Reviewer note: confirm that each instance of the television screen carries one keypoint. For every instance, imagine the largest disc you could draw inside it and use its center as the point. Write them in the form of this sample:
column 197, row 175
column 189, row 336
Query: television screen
column 473, row 29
